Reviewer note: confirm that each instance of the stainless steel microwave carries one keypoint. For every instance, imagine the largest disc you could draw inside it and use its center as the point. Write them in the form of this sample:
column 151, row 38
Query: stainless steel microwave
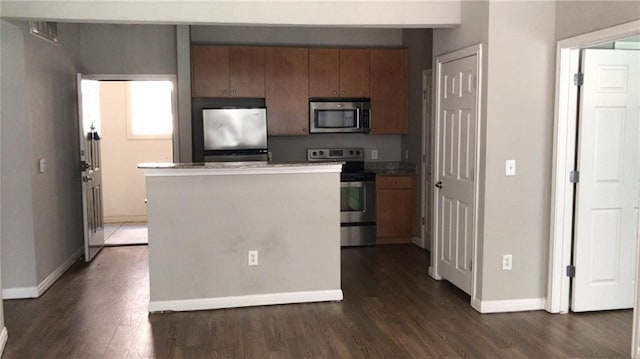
column 340, row 115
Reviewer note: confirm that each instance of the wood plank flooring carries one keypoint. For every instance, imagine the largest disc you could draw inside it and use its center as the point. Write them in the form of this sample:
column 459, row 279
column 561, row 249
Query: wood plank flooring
column 392, row 309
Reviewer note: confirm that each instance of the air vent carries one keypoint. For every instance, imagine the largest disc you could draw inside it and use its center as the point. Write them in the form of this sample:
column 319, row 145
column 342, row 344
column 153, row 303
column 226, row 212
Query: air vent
column 45, row 30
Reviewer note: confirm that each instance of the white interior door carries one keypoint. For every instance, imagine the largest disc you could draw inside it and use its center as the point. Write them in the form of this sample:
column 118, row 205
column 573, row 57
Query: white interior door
column 455, row 160
column 90, row 162
column 607, row 192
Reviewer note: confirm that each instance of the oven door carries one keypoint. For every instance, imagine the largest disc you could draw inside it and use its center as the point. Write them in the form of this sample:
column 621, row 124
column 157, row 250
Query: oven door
column 357, row 202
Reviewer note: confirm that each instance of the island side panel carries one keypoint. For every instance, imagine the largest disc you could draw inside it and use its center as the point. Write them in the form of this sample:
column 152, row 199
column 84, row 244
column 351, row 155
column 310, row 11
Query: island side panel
column 202, row 227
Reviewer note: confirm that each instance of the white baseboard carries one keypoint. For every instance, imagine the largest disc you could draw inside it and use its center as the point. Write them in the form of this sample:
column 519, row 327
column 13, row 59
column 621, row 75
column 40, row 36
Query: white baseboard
column 418, row 242
column 4, row 336
column 246, row 300
column 512, row 305
column 433, row 275
column 125, row 219
column 35, row 292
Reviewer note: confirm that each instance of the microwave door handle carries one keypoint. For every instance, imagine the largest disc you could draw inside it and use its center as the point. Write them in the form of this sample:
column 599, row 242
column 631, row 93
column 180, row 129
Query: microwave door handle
column 358, row 118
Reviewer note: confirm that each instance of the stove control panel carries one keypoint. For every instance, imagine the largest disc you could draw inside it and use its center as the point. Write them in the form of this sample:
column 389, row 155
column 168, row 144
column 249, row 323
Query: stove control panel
column 335, row 154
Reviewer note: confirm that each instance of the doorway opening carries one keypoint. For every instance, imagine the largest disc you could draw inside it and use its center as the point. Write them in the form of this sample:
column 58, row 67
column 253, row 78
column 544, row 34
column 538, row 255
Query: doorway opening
column 565, row 152
column 136, row 124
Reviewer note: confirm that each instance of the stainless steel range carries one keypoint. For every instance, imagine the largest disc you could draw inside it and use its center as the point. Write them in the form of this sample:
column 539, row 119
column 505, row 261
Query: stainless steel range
column 357, row 194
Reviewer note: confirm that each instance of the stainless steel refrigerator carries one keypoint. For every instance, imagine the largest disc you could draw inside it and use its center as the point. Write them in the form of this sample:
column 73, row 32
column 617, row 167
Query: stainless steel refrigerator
column 235, row 134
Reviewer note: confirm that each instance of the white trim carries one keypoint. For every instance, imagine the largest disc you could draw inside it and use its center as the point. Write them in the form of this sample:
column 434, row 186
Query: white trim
column 511, row 305
column 419, row 241
column 4, row 336
column 246, row 300
column 440, row 60
column 20, row 293
column 563, row 158
column 225, row 170
column 36, row 292
column 125, row 219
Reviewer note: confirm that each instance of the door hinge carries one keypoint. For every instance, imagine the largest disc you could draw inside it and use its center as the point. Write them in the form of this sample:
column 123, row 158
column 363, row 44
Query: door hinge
column 423, row 221
column 424, row 94
column 571, row 271
column 471, row 264
column 574, row 176
column 578, row 79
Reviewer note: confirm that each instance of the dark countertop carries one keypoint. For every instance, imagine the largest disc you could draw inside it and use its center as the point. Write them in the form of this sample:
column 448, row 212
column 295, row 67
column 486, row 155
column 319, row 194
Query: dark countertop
column 391, row 168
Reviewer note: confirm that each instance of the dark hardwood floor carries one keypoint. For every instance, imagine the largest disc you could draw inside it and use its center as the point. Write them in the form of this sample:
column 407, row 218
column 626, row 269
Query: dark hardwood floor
column 392, row 309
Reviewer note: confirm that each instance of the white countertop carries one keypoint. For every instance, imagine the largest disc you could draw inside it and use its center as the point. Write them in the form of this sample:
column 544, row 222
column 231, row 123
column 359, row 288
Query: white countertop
column 237, row 168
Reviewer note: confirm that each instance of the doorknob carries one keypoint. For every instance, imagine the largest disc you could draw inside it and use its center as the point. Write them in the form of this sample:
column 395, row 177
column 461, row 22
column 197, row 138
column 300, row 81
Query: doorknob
column 439, row 184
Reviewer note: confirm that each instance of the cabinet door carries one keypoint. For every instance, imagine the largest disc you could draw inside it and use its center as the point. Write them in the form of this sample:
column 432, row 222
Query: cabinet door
column 246, row 71
column 209, row 71
column 389, row 91
column 324, row 77
column 287, row 90
column 394, row 219
column 354, row 72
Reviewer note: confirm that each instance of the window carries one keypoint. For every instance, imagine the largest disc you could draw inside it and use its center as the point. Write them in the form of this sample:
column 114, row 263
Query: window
column 150, row 112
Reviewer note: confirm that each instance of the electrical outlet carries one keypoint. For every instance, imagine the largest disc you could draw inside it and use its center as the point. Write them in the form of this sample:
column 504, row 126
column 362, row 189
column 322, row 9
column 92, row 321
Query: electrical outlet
column 253, row 258
column 507, row 262
column 510, row 168
column 374, row 154
column 406, row 154
column 42, row 165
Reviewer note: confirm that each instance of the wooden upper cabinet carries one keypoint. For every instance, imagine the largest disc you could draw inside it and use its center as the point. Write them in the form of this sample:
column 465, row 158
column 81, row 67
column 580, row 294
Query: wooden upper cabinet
column 324, row 72
column 389, row 80
column 246, row 71
column 338, row 72
column 209, row 71
column 222, row 71
column 287, row 90
column 354, row 72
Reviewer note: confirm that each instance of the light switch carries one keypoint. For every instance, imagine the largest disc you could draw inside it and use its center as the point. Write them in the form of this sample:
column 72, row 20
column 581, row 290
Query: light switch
column 42, row 164
column 510, row 168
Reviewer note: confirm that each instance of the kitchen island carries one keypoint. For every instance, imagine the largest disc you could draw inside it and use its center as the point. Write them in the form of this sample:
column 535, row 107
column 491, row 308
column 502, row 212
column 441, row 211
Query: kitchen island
column 207, row 221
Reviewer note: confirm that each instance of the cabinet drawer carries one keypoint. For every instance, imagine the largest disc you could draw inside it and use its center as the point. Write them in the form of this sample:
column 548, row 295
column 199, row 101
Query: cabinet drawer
column 383, row 181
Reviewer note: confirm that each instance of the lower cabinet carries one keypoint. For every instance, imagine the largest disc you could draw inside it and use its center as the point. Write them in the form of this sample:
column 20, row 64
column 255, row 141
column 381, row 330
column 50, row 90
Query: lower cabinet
column 395, row 208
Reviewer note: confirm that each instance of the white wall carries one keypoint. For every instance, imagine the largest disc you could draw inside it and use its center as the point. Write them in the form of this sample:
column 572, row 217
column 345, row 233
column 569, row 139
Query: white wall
column 304, row 13
column 123, row 183
column 46, row 105
column 579, row 17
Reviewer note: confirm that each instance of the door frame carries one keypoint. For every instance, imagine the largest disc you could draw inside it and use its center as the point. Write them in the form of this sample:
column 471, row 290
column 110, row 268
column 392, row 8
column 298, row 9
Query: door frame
column 427, row 151
column 175, row 137
column 440, row 60
column 564, row 154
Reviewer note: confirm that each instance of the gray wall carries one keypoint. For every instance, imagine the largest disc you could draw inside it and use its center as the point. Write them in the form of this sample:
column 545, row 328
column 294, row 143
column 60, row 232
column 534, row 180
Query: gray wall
column 48, row 108
column 293, row 148
column 420, row 45
column 298, row 244
column 579, row 17
column 128, row 49
column 519, row 125
column 18, row 252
